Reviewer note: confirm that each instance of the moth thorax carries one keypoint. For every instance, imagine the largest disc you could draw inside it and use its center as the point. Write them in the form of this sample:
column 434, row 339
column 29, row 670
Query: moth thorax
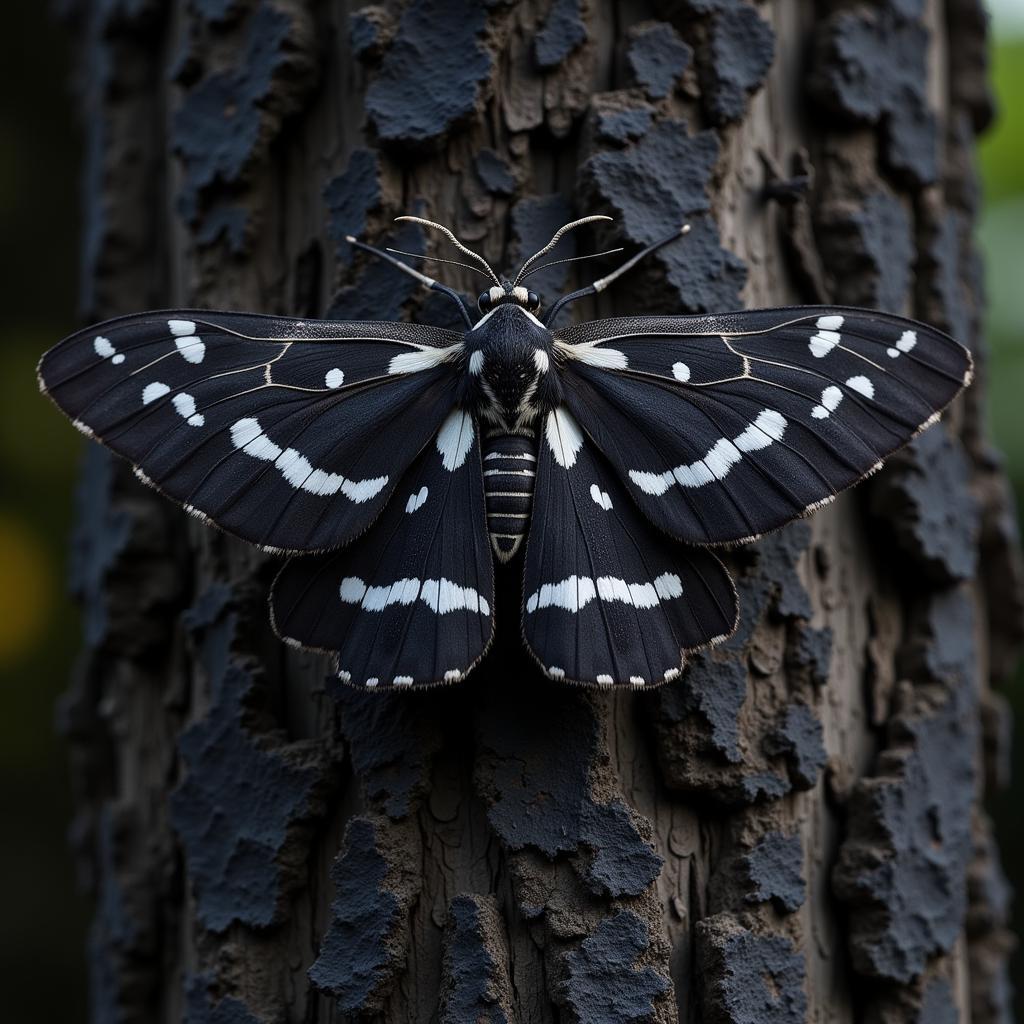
column 510, row 469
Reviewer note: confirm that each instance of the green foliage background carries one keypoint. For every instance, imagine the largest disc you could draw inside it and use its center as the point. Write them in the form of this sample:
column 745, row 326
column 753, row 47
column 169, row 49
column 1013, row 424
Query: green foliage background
column 43, row 924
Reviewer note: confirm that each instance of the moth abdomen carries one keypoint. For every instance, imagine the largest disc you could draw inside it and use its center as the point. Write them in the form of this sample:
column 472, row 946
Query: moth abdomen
column 510, row 469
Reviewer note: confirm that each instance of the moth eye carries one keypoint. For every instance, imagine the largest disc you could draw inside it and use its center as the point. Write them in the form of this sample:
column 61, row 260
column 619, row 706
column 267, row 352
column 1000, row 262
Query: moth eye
column 483, row 302
column 532, row 301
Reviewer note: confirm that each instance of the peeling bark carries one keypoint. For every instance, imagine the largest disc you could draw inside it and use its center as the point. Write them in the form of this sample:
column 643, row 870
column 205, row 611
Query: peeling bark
column 792, row 830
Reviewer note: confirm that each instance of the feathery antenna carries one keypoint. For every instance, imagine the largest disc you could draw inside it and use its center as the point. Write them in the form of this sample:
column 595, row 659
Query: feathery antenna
column 458, row 245
column 555, row 238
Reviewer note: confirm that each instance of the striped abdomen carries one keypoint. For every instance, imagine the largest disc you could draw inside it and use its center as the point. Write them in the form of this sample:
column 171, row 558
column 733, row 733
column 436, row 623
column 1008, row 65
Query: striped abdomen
column 510, row 467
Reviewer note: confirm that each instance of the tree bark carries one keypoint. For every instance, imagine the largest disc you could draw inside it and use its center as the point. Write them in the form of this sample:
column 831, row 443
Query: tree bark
column 794, row 830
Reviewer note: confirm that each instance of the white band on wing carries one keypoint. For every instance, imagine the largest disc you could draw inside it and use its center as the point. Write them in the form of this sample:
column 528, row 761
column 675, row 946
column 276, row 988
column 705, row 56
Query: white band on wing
column 247, row 436
column 440, row 596
column 769, row 426
column 576, row 592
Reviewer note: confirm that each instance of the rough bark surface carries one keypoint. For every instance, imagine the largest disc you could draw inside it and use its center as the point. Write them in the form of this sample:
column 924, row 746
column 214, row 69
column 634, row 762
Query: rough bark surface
column 794, row 830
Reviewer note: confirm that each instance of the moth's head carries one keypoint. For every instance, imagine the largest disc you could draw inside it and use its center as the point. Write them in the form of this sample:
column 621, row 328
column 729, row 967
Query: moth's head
column 508, row 293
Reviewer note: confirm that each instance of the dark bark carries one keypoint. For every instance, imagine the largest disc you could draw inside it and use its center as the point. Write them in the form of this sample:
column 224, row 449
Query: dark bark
column 793, row 830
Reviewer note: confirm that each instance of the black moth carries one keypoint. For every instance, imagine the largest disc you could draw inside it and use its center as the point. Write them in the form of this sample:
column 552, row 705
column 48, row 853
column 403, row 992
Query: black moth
column 400, row 458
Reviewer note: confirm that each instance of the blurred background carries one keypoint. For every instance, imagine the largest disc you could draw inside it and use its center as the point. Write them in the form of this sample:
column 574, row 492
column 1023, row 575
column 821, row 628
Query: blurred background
column 44, row 918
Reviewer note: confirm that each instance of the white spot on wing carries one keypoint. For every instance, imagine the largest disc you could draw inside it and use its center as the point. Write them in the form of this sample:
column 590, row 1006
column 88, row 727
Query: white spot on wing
column 416, row 500
column 476, row 362
column 908, row 339
column 453, row 675
column 593, row 354
column 605, row 680
column 454, row 439
column 104, row 348
column 863, row 385
column 423, row 357
column 681, row 372
column 564, row 437
column 540, row 360
column 830, row 399
column 600, row 497
column 555, row 672
column 248, row 436
column 191, row 348
column 638, row 680
column 185, row 404
column 151, row 392
column 827, row 336
column 181, row 328
column 334, row 378
column 402, row 681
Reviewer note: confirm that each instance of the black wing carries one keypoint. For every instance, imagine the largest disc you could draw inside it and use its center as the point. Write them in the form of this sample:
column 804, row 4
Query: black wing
column 291, row 434
column 411, row 604
column 725, row 427
column 607, row 599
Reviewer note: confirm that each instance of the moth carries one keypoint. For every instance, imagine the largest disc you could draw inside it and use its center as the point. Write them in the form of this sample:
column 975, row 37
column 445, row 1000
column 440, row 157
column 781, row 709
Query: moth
column 398, row 462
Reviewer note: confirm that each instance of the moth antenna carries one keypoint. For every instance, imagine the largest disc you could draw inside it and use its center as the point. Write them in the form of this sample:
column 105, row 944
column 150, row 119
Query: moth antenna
column 603, row 283
column 565, row 228
column 458, row 245
column 437, row 259
column 427, row 282
column 569, row 259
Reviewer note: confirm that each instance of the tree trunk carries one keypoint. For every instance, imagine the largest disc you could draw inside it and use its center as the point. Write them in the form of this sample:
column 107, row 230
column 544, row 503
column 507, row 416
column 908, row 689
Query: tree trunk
column 794, row 830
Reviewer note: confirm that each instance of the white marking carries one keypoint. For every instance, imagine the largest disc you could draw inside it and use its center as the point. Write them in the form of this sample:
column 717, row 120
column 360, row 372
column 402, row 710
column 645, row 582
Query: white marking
column 416, row 500
column 681, row 372
column 352, row 590
column 494, row 293
column 104, row 348
column 151, row 392
column 453, row 675
column 600, row 497
column 908, row 339
column 344, row 675
column 372, row 682
column 827, row 337
column 334, row 378
column 769, row 426
column 605, row 680
column 425, row 357
column 830, row 399
column 540, row 360
column 564, row 437
column 181, row 328
column 440, row 596
column 402, row 681
column 185, row 404
column 191, row 348
column 555, row 672
column 521, row 294
column 589, row 353
column 476, row 362
column 454, row 439
column 248, row 436
column 638, row 680
column 517, row 457
column 863, row 385
column 83, row 428
column 576, row 592
column 670, row 674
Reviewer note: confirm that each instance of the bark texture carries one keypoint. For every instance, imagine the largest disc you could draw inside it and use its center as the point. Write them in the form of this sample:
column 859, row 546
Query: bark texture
column 794, row 830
